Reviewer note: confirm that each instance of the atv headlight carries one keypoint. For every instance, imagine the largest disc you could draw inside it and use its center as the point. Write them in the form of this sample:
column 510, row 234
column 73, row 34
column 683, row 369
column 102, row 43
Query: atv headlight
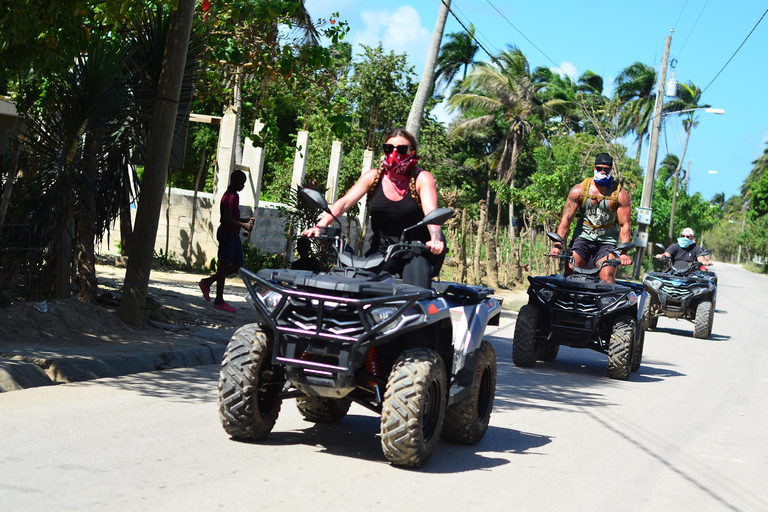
column 608, row 300
column 654, row 283
column 382, row 313
column 269, row 298
column 546, row 293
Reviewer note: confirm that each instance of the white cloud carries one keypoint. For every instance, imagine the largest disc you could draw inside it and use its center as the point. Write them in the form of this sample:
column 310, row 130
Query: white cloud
column 566, row 68
column 400, row 31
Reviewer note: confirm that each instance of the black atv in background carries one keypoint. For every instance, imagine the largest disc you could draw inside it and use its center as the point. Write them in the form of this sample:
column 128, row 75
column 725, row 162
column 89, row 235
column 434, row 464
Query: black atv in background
column 356, row 334
column 582, row 311
column 688, row 293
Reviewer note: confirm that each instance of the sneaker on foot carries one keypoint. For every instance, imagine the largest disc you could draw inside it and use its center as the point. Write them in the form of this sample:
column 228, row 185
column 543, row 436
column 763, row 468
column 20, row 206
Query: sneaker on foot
column 225, row 307
column 206, row 291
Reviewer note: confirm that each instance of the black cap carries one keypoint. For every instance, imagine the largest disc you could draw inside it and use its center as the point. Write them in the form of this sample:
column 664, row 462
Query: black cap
column 604, row 159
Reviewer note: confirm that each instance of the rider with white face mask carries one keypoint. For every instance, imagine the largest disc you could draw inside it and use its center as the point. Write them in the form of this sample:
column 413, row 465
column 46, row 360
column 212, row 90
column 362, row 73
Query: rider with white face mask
column 685, row 251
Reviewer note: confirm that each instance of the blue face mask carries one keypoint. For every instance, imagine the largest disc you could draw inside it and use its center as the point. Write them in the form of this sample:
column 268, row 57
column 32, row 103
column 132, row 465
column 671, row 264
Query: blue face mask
column 684, row 243
column 603, row 180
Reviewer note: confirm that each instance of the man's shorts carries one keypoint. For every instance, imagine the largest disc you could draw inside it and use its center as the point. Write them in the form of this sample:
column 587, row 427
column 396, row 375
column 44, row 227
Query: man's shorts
column 230, row 247
column 588, row 248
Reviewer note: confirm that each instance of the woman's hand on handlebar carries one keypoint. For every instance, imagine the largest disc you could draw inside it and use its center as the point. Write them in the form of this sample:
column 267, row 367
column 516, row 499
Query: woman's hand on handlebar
column 554, row 252
column 312, row 232
column 436, row 246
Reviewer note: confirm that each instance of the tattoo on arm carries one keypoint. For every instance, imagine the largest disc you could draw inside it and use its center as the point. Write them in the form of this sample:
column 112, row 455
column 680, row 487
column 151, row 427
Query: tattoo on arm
column 435, row 231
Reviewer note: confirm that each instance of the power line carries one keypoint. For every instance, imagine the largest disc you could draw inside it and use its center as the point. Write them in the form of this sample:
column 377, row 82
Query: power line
column 532, row 43
column 737, row 51
column 693, row 27
column 477, row 31
column 680, row 15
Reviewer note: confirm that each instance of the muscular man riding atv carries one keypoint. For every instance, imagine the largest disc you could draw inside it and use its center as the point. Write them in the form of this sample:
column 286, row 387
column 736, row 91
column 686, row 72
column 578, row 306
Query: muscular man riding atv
column 604, row 210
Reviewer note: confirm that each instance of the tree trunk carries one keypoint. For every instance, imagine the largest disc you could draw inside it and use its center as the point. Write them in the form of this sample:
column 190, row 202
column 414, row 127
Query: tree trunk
column 62, row 263
column 156, row 167
column 479, row 242
column 428, row 76
column 126, row 223
column 86, row 222
column 463, row 248
column 492, row 267
column 8, row 187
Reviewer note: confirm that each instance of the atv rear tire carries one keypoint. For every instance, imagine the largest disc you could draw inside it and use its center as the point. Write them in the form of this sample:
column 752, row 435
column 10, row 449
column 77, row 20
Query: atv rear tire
column 321, row 409
column 524, row 341
column 637, row 347
column 548, row 353
column 413, row 408
column 249, row 385
column 466, row 421
column 703, row 321
column 620, row 347
column 653, row 322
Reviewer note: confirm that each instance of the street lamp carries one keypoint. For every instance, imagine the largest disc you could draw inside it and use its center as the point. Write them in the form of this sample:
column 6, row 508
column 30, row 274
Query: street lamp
column 709, row 110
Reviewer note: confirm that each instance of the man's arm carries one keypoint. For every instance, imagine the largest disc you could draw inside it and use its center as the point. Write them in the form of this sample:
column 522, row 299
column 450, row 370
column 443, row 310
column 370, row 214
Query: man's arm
column 569, row 212
column 623, row 214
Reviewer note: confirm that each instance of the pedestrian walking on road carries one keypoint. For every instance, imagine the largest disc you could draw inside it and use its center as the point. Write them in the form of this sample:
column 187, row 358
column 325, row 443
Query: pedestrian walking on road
column 230, row 256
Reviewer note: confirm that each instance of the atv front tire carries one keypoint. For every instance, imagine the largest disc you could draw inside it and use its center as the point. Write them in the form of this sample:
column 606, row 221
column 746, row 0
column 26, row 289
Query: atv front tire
column 703, row 321
column 620, row 346
column 249, row 385
column 524, row 341
column 321, row 409
column 466, row 421
column 413, row 408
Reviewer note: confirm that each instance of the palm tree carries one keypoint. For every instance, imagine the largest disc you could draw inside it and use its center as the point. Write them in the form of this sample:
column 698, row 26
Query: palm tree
column 427, row 82
column 503, row 92
column 458, row 54
column 634, row 88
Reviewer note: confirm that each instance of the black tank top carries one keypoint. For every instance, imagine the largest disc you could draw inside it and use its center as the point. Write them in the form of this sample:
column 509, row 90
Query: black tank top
column 389, row 219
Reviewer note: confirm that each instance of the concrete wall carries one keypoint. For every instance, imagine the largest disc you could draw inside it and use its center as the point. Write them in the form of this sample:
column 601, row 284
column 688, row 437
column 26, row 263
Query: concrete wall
column 198, row 247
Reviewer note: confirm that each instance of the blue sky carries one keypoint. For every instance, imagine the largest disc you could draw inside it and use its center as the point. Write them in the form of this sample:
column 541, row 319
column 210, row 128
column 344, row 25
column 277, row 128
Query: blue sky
column 605, row 36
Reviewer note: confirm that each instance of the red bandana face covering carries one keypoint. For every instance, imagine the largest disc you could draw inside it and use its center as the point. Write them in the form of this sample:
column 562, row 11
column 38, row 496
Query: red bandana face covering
column 398, row 169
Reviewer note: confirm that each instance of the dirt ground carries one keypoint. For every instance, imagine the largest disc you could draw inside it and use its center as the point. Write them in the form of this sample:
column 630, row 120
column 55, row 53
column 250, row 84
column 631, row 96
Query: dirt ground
column 175, row 311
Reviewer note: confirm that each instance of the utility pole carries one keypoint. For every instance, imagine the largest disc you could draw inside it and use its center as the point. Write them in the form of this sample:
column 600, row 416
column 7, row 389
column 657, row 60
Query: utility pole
column 644, row 212
column 674, row 202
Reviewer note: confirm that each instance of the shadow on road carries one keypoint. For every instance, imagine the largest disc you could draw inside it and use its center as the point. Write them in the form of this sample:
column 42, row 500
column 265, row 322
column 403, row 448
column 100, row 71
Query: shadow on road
column 357, row 436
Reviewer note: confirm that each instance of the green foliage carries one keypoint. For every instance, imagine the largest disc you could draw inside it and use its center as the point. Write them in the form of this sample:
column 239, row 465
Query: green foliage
column 256, row 260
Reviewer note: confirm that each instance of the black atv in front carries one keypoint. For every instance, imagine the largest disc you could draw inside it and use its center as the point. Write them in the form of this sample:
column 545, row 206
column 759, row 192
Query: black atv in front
column 688, row 293
column 356, row 334
column 582, row 311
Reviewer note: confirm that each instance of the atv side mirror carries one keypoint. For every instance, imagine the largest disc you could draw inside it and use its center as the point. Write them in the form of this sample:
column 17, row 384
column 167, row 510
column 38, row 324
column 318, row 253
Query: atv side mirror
column 556, row 238
column 706, row 252
column 659, row 248
column 437, row 216
column 626, row 246
column 314, row 198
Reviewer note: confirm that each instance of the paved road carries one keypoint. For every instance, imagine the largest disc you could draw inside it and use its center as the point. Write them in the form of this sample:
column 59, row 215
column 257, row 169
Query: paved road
column 687, row 432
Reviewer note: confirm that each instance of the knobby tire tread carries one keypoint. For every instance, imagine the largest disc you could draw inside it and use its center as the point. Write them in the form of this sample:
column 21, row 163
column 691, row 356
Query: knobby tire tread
column 411, row 381
column 467, row 421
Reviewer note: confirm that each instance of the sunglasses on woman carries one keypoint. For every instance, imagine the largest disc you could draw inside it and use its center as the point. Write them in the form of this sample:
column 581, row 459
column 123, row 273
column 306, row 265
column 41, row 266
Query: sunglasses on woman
column 402, row 149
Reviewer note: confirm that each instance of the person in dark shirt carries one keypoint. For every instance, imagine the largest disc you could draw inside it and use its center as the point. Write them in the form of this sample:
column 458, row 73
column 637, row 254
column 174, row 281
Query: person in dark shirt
column 306, row 261
column 400, row 194
column 230, row 256
column 685, row 251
